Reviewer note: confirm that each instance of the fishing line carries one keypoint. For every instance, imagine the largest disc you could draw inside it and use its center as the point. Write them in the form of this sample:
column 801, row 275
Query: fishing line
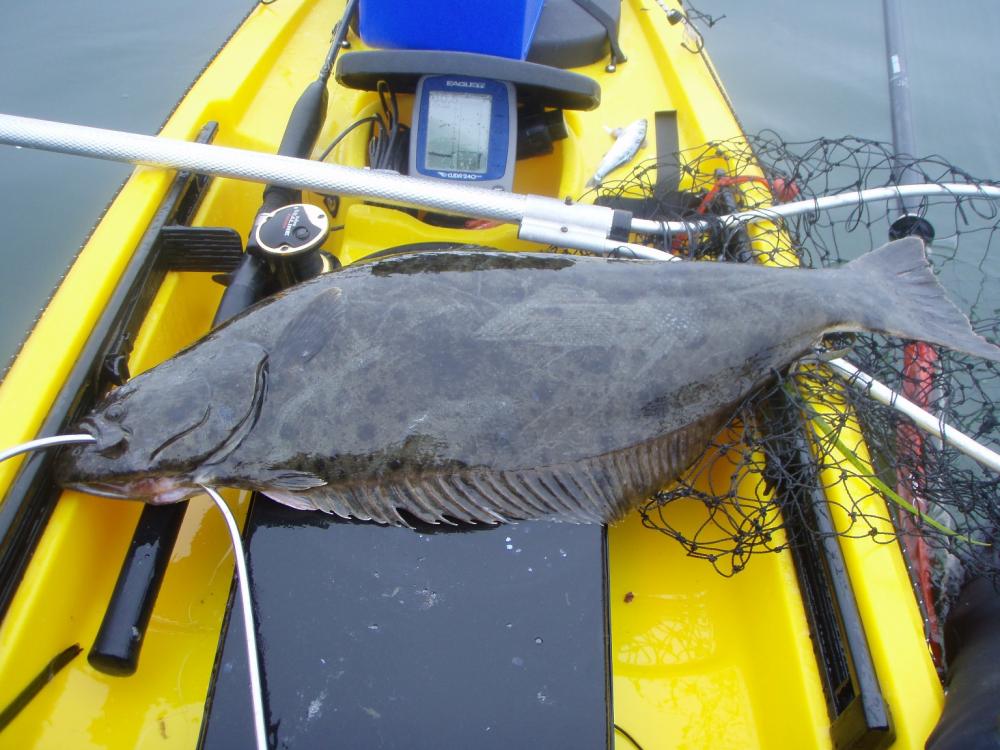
column 256, row 693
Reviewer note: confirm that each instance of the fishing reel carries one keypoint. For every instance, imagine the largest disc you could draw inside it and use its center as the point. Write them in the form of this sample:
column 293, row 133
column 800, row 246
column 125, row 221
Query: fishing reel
column 283, row 250
column 288, row 240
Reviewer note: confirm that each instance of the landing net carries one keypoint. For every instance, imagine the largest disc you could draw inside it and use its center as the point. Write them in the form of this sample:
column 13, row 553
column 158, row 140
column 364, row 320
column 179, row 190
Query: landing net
column 810, row 436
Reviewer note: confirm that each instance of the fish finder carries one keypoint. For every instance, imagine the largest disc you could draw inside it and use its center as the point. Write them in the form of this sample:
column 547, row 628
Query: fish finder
column 464, row 130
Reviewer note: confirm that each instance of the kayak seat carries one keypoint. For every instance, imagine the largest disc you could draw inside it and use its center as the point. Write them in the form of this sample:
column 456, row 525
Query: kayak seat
column 568, row 36
column 402, row 68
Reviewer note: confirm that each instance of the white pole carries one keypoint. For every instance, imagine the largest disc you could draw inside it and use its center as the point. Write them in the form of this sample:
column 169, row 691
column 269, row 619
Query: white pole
column 923, row 419
column 824, row 203
column 399, row 189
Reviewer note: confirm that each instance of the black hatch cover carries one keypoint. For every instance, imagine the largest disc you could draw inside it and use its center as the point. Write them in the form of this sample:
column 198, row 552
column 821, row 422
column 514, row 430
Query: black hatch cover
column 375, row 637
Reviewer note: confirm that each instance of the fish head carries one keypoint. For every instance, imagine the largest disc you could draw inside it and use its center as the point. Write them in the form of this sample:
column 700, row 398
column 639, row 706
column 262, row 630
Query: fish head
column 156, row 437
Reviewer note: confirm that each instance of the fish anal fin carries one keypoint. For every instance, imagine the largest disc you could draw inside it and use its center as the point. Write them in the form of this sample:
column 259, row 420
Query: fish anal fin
column 601, row 489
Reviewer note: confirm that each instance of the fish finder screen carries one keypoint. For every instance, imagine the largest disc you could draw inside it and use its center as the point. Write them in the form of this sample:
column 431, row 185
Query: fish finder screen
column 458, row 131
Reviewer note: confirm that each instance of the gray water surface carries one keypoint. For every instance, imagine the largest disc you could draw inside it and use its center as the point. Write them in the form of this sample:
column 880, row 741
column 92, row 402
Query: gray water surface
column 804, row 69
column 114, row 64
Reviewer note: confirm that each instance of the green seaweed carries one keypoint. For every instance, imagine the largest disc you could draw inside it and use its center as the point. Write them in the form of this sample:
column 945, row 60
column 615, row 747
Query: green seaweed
column 864, row 473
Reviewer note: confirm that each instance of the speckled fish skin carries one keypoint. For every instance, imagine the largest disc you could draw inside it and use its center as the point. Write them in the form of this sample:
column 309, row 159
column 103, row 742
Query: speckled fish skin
column 482, row 386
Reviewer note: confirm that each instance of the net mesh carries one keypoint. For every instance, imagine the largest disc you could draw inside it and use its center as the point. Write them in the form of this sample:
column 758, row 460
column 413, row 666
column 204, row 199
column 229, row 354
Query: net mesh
column 810, row 437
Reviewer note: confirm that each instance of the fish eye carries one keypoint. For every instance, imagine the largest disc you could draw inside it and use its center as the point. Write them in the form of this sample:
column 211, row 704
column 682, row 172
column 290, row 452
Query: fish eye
column 115, row 413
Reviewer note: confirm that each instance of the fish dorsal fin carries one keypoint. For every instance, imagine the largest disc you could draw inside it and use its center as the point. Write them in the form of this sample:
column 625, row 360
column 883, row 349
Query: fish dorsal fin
column 601, row 489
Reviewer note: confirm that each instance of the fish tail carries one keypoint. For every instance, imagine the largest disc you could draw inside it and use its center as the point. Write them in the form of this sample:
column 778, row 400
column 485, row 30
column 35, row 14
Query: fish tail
column 903, row 298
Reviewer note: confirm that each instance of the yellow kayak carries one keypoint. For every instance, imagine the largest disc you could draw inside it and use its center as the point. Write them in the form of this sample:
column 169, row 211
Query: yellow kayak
column 663, row 651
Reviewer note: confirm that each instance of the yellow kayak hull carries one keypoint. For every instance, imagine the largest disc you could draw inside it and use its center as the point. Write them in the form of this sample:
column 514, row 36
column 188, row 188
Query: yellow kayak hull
column 698, row 660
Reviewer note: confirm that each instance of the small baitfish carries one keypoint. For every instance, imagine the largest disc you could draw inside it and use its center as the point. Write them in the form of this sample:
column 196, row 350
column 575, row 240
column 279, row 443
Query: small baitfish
column 480, row 386
column 626, row 145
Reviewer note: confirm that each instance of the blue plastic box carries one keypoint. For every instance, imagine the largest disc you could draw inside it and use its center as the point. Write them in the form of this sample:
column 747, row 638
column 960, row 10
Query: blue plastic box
column 490, row 27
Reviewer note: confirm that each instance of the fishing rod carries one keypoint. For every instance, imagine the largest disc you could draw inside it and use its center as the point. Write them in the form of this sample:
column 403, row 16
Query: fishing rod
column 918, row 357
column 901, row 117
column 249, row 282
column 119, row 639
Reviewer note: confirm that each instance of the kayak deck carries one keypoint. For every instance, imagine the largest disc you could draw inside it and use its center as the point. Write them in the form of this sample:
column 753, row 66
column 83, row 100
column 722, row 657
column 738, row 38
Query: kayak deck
column 695, row 659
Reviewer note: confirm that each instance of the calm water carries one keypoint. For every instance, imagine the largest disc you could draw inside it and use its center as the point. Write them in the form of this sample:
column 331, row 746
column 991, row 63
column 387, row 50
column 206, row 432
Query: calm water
column 803, row 69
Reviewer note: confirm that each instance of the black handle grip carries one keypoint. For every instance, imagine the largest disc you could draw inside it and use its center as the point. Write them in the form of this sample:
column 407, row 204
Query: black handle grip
column 249, row 284
column 299, row 140
column 116, row 648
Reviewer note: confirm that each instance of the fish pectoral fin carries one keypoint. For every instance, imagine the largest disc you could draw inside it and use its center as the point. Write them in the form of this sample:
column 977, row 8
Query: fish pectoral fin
column 291, row 499
column 311, row 329
column 290, row 480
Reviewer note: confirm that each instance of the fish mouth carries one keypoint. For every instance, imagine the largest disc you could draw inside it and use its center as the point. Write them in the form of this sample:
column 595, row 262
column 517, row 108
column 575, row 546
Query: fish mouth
column 87, row 425
column 102, row 489
column 155, row 491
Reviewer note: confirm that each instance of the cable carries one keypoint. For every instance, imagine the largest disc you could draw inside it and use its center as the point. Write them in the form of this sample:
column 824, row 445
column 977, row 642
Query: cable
column 243, row 579
column 388, row 148
column 628, row 736
column 47, row 442
column 343, row 133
